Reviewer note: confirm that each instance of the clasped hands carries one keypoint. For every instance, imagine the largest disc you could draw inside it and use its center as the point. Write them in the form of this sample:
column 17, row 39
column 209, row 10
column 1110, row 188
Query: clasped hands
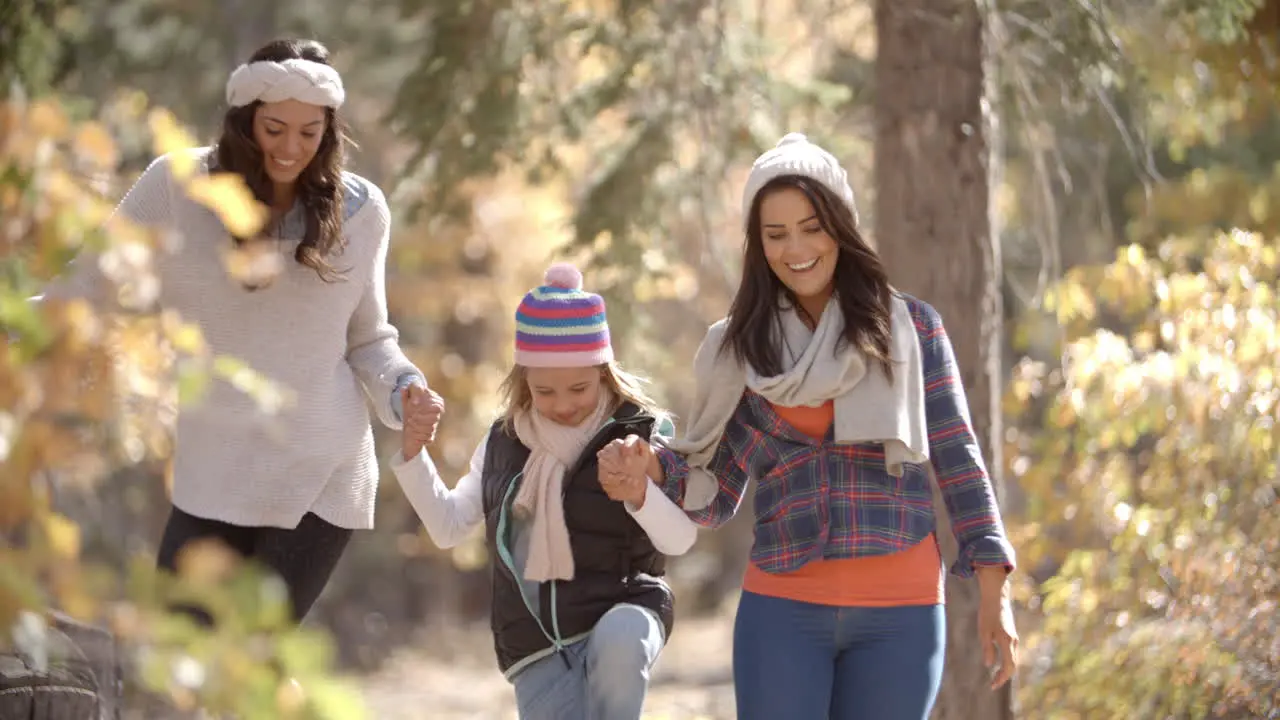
column 623, row 463
column 624, row 467
column 624, row 475
column 422, row 408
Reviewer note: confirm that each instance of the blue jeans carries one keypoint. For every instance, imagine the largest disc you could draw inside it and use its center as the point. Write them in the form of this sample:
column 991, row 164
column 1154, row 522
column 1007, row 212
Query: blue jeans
column 803, row 661
column 607, row 674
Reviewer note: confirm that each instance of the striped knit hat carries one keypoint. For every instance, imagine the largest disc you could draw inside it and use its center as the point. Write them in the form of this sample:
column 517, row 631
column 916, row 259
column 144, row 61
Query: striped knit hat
column 560, row 325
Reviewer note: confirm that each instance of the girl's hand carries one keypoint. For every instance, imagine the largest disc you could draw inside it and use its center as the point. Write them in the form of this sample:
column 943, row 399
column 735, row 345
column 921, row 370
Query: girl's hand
column 625, row 488
column 622, row 466
column 423, row 409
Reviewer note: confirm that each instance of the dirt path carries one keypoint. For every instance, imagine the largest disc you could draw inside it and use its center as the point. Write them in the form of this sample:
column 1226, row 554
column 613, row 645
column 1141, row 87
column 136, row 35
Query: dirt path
column 453, row 676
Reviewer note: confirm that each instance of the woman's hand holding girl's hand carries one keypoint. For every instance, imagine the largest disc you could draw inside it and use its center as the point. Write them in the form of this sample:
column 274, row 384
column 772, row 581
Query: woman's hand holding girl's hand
column 423, row 409
column 622, row 470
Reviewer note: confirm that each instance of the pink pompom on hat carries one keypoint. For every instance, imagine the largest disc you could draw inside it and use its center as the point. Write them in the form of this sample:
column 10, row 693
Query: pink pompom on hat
column 558, row 324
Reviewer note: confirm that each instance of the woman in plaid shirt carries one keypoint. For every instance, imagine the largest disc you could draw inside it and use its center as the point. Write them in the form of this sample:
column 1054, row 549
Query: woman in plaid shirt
column 839, row 395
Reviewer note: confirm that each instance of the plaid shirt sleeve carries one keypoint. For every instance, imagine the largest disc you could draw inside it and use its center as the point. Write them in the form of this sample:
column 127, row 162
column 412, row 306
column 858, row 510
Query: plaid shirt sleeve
column 726, row 466
column 675, row 471
column 955, row 454
column 674, row 468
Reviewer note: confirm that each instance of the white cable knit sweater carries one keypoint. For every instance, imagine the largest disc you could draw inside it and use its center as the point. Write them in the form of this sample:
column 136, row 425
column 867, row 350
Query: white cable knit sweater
column 322, row 340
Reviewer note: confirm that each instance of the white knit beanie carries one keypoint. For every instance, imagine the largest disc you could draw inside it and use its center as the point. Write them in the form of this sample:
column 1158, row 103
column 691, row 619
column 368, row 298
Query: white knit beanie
column 795, row 155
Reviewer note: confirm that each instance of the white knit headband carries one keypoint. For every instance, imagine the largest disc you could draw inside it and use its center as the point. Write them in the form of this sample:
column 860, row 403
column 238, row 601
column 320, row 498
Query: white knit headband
column 302, row 80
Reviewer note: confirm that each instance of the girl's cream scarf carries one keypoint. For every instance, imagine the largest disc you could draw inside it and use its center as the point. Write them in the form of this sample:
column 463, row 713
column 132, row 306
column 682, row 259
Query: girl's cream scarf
column 553, row 448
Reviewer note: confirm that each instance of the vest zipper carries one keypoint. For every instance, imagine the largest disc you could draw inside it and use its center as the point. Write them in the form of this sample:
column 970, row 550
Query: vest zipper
column 504, row 554
column 555, row 627
column 555, row 604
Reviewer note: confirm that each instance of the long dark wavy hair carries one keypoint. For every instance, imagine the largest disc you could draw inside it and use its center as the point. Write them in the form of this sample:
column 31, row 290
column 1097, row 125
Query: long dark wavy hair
column 320, row 184
column 861, row 286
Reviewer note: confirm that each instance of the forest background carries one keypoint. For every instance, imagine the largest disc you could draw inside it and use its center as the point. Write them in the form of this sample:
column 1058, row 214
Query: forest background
column 1088, row 192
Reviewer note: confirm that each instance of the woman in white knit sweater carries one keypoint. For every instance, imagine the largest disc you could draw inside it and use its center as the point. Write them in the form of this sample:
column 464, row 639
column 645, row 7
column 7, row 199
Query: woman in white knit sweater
column 286, row 490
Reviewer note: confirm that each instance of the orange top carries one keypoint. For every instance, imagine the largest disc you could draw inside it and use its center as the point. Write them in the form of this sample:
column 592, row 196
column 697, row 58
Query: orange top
column 911, row 577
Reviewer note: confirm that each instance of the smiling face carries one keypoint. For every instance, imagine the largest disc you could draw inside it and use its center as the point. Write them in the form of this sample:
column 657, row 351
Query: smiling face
column 566, row 396
column 799, row 251
column 289, row 133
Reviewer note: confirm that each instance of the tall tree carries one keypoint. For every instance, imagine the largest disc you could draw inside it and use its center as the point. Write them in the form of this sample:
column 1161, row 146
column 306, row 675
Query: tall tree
column 934, row 170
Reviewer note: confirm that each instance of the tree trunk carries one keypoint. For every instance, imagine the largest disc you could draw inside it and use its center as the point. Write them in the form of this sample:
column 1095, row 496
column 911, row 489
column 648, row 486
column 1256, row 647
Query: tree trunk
column 934, row 172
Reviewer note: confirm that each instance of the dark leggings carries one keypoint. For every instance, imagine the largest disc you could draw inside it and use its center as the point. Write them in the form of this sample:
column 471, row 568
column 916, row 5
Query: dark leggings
column 304, row 557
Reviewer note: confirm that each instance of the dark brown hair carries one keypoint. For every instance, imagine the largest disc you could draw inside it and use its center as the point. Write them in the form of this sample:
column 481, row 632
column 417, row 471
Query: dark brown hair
column 861, row 286
column 320, row 184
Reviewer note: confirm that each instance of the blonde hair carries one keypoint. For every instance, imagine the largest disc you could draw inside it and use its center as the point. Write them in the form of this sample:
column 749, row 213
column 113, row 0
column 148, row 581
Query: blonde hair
column 626, row 387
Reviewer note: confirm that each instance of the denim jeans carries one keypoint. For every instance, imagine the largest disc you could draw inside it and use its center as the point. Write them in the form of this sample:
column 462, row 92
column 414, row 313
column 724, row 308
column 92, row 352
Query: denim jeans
column 606, row 676
column 803, row 661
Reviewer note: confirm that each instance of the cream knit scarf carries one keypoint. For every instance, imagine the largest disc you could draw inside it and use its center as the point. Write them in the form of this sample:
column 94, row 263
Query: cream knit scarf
column 868, row 408
column 553, row 448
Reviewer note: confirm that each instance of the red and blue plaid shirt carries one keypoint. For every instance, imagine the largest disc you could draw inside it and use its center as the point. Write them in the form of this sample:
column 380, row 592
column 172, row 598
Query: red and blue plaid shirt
column 831, row 500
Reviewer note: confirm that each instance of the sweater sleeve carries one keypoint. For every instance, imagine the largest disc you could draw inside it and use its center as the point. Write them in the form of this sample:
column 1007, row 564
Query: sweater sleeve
column 449, row 515
column 373, row 347
column 148, row 204
column 955, row 454
column 726, row 467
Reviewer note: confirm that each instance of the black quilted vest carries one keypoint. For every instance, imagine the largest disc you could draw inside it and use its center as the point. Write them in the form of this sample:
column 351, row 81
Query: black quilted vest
column 614, row 561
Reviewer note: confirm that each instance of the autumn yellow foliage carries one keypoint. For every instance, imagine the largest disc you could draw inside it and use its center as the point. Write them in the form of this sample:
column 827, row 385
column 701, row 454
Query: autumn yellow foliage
column 1152, row 487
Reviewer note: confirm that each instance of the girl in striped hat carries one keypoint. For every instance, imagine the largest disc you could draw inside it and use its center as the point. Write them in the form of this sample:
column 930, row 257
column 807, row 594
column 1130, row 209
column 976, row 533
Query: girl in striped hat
column 580, row 609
